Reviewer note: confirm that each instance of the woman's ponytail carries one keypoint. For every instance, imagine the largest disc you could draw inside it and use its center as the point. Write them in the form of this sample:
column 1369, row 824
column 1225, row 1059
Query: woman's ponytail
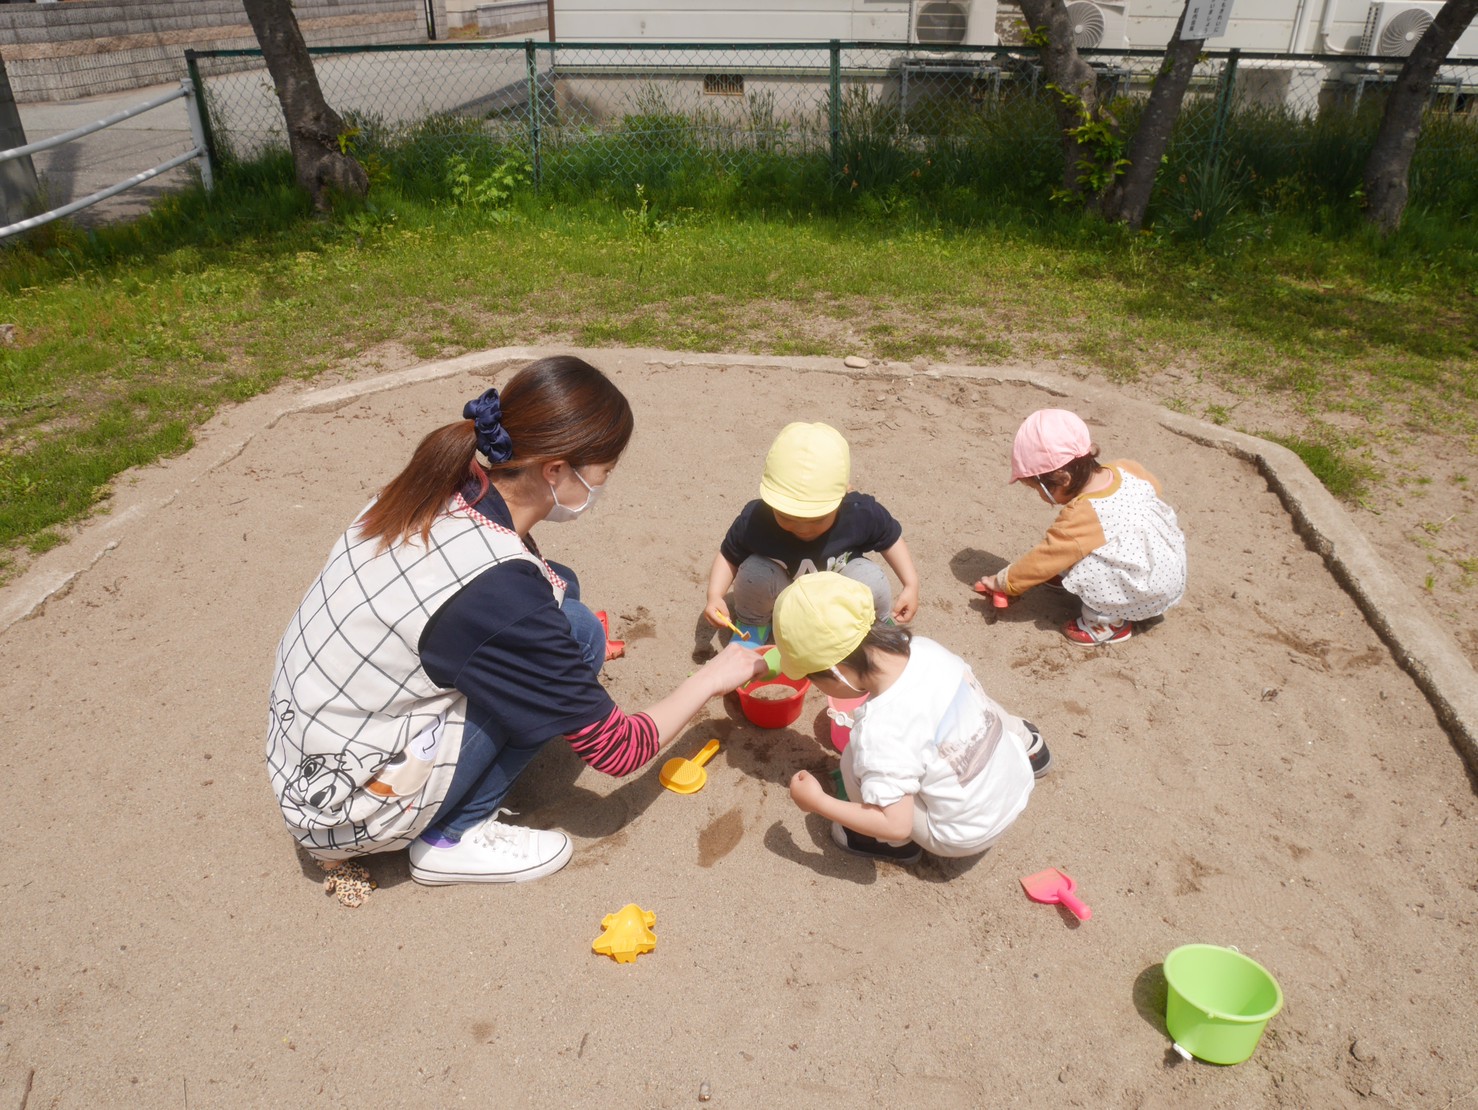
column 414, row 497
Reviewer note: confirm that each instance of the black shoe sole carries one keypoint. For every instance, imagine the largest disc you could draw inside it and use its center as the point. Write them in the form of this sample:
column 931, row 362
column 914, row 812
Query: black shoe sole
column 1041, row 763
column 904, row 857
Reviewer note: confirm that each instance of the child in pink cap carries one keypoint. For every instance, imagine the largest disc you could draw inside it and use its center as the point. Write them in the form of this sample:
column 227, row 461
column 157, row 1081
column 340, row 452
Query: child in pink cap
column 1114, row 543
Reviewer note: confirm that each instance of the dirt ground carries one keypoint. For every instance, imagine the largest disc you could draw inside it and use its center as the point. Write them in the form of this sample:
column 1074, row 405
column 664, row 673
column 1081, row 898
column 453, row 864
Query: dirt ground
column 1253, row 771
column 1419, row 511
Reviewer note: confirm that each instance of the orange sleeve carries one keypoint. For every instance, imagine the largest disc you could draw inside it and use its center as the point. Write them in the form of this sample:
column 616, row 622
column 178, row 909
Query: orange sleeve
column 1074, row 534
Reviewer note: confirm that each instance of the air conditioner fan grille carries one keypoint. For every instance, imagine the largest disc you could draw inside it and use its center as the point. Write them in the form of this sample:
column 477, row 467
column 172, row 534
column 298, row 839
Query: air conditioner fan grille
column 1402, row 30
column 1087, row 24
column 942, row 23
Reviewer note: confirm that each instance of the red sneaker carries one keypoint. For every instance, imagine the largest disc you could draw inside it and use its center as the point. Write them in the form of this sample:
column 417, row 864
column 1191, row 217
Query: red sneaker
column 1086, row 635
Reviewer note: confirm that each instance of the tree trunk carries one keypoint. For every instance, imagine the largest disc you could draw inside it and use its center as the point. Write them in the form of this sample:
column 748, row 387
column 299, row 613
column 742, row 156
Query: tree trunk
column 1128, row 198
column 314, row 129
column 19, row 189
column 1387, row 170
column 1069, row 73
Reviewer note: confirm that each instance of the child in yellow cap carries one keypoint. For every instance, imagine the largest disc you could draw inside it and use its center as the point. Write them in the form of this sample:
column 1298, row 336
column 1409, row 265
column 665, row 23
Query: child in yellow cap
column 807, row 519
column 933, row 762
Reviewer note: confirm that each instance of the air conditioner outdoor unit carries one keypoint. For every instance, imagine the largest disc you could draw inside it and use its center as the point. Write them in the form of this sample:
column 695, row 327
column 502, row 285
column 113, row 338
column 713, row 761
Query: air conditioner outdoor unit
column 1293, row 86
column 1098, row 26
column 953, row 22
column 1391, row 30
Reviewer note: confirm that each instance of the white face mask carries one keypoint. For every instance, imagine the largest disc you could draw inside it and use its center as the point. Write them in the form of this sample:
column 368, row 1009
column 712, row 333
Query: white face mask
column 561, row 514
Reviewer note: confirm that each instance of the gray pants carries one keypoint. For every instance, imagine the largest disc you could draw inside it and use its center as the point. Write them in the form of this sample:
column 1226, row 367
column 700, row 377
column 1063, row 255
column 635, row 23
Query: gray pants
column 760, row 581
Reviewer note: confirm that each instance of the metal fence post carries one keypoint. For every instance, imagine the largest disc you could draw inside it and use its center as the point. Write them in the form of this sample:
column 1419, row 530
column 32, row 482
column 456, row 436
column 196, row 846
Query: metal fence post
column 836, row 105
column 1223, row 103
column 531, row 60
column 197, row 134
column 200, row 116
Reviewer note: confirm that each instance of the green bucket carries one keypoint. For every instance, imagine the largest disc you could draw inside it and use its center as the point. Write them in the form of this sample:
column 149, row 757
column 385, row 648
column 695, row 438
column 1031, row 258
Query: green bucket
column 1219, row 1002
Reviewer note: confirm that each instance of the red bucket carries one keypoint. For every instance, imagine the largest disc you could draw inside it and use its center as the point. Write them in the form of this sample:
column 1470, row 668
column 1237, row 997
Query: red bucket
column 776, row 712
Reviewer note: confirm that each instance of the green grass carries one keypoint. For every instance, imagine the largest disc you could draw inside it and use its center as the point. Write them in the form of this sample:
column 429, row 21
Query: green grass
column 1341, row 475
column 129, row 338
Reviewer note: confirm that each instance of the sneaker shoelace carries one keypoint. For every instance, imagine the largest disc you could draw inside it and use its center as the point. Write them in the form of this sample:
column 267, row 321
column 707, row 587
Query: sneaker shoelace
column 494, row 834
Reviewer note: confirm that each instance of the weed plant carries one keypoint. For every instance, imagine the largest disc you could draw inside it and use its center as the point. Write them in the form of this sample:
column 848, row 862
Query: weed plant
column 1329, row 461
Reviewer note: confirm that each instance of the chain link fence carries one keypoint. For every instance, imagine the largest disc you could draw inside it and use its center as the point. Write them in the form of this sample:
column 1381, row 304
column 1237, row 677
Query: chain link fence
column 849, row 117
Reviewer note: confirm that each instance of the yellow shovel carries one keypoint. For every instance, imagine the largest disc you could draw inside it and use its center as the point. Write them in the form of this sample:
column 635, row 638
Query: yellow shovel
column 687, row 776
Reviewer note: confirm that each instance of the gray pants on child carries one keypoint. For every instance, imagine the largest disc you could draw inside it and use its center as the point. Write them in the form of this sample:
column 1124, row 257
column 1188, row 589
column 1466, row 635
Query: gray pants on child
column 760, row 581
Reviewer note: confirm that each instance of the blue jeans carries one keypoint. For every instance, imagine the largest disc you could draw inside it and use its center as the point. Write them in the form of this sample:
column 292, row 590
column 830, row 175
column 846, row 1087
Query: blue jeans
column 490, row 760
column 583, row 623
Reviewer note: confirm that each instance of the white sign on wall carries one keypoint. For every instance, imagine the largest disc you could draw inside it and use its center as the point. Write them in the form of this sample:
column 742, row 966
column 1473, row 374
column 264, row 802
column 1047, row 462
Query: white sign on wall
column 1206, row 19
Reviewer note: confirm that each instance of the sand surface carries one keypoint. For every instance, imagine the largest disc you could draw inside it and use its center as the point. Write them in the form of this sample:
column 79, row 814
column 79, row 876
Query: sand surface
column 1253, row 771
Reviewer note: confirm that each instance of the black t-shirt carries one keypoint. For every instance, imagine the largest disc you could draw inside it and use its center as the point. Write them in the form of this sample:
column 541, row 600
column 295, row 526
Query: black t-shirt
column 862, row 525
column 502, row 641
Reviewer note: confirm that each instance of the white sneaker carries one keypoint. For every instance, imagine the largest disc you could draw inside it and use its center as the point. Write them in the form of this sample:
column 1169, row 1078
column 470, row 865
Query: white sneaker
column 491, row 853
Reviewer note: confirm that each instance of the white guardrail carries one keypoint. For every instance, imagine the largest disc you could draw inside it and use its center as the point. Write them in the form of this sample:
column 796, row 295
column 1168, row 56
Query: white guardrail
column 197, row 135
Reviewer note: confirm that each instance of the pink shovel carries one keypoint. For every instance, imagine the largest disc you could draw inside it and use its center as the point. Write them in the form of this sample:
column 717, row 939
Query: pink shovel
column 998, row 599
column 1053, row 886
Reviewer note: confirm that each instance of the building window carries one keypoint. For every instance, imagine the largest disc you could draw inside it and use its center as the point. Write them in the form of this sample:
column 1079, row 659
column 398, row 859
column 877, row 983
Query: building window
column 723, row 84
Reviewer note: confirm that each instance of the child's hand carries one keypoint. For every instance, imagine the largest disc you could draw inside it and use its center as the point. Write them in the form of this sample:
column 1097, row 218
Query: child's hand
column 987, row 585
column 907, row 604
column 716, row 613
column 806, row 792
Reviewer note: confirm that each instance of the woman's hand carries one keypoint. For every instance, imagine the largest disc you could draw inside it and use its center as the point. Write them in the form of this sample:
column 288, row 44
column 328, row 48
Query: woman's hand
column 987, row 585
column 733, row 667
column 806, row 792
column 728, row 670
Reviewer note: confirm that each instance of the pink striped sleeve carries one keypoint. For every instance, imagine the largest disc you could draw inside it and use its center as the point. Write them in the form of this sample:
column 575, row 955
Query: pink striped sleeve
column 617, row 745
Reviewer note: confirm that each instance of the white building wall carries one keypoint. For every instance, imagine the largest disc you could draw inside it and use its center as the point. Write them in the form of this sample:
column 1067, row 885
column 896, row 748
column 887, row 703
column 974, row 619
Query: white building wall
column 1262, row 25
column 755, row 21
column 730, row 20
column 1268, row 26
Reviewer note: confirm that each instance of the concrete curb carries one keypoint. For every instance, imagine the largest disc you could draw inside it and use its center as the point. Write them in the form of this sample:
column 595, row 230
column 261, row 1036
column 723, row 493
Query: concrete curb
column 1426, row 650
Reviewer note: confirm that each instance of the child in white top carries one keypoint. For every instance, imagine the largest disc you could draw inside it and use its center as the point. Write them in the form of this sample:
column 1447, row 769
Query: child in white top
column 1114, row 544
column 933, row 762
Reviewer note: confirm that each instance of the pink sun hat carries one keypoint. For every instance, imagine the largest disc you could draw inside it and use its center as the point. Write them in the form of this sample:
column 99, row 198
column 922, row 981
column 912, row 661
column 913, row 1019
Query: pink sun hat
column 1046, row 440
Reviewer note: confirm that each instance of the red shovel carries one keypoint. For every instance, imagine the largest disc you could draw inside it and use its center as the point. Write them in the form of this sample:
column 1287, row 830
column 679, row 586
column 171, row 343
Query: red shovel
column 1054, row 886
column 615, row 649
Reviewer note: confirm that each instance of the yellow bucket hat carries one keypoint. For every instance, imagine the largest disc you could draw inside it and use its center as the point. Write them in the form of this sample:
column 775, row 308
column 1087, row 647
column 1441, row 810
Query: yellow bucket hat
column 819, row 620
column 807, row 470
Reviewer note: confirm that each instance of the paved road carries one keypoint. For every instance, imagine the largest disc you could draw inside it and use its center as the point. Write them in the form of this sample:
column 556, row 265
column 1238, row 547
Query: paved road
column 76, row 169
column 392, row 87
